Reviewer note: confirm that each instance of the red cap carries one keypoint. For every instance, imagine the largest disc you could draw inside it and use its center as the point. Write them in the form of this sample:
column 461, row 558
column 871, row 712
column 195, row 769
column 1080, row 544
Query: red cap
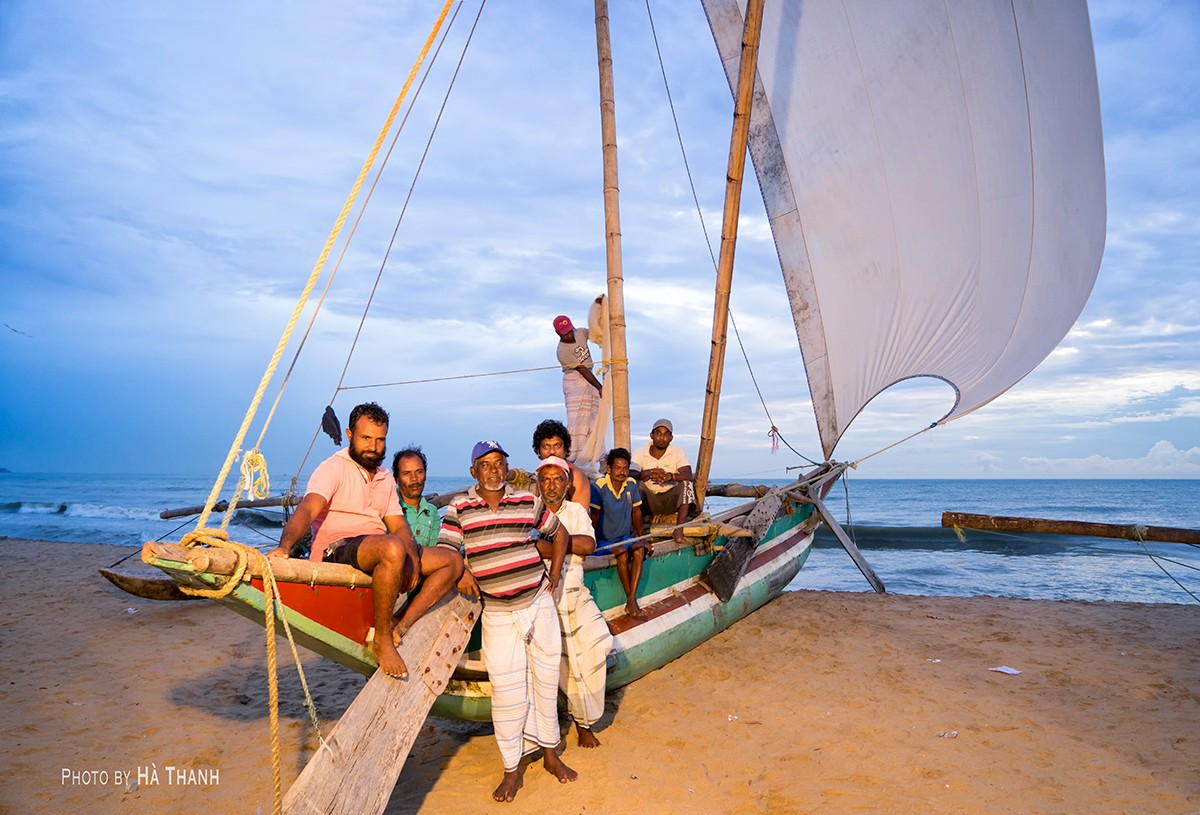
column 562, row 325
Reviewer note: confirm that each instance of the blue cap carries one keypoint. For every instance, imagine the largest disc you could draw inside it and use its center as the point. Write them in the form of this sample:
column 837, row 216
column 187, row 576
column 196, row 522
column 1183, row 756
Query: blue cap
column 482, row 448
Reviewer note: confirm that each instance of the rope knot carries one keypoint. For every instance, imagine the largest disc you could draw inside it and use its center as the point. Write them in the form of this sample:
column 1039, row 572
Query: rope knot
column 205, row 535
column 255, row 478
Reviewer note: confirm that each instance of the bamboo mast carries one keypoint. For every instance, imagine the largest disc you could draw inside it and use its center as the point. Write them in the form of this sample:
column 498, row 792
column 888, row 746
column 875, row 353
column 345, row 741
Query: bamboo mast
column 618, row 380
column 733, row 200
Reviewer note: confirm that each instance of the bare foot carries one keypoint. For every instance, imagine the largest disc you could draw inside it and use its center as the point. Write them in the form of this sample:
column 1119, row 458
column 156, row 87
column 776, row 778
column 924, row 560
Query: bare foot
column 633, row 609
column 509, row 784
column 585, row 738
column 389, row 658
column 554, row 765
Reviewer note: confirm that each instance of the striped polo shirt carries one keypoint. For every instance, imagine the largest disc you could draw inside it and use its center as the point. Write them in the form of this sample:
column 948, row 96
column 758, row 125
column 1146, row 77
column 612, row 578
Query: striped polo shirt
column 497, row 546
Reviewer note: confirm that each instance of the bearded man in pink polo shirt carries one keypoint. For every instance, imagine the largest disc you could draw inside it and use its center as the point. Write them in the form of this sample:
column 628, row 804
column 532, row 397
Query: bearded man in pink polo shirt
column 353, row 510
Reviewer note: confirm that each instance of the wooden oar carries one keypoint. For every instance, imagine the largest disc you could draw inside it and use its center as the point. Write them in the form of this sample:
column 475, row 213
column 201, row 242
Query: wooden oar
column 370, row 743
column 1009, row 523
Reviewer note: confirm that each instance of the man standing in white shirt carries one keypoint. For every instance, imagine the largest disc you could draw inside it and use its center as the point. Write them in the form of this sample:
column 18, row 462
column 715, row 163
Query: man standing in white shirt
column 585, row 636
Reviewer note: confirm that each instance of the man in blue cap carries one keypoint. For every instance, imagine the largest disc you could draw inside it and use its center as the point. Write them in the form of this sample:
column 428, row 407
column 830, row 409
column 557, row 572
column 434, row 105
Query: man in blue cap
column 498, row 529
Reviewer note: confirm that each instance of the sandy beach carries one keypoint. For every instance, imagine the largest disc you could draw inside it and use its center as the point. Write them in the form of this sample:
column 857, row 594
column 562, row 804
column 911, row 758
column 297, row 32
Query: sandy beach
column 820, row 702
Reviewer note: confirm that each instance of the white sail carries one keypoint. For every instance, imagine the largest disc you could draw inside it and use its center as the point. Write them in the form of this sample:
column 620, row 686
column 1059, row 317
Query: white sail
column 933, row 172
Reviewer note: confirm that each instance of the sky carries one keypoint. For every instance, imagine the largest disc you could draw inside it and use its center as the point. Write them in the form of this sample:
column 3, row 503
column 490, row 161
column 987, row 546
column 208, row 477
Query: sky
column 169, row 175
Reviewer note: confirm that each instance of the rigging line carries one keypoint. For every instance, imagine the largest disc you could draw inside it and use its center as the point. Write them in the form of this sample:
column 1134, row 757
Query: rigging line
column 606, row 363
column 704, row 230
column 909, row 437
column 353, row 231
column 311, row 283
column 1154, row 560
column 403, row 209
column 448, row 378
column 420, row 87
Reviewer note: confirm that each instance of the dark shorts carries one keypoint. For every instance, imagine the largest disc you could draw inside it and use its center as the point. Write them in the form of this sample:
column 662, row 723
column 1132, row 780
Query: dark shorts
column 344, row 551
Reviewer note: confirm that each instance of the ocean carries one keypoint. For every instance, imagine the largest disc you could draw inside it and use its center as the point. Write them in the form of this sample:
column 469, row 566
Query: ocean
column 895, row 522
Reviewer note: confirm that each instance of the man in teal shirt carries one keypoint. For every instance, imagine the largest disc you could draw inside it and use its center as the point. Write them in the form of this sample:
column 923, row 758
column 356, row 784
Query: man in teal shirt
column 408, row 466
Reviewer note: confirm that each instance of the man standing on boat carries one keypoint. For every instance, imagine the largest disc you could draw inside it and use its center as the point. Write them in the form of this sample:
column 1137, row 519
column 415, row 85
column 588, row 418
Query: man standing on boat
column 665, row 477
column 355, row 516
column 581, row 388
column 586, row 639
column 498, row 529
column 551, row 438
column 408, row 468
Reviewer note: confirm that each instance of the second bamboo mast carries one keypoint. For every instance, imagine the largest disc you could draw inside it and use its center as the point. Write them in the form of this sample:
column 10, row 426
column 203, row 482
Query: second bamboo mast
column 733, row 201
column 618, row 381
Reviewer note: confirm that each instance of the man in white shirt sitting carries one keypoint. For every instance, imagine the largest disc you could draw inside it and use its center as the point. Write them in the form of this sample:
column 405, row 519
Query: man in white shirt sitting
column 664, row 477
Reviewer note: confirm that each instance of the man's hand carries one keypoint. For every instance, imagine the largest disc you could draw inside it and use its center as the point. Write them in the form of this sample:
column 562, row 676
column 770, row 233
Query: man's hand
column 553, row 580
column 279, row 551
column 468, row 585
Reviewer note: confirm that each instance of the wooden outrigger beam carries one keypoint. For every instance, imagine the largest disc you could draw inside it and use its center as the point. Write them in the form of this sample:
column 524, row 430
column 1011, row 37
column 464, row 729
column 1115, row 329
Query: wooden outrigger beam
column 370, row 743
column 289, row 500
column 1047, row 526
column 812, row 495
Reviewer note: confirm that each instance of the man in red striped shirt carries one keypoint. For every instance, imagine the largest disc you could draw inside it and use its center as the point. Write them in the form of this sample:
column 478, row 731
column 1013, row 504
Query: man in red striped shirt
column 497, row 529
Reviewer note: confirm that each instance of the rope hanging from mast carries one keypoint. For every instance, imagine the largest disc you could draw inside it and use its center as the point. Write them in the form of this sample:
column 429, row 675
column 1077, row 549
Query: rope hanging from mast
column 774, row 432
column 252, row 410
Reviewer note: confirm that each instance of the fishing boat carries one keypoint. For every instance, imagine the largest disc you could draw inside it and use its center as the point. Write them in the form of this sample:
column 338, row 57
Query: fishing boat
column 933, row 176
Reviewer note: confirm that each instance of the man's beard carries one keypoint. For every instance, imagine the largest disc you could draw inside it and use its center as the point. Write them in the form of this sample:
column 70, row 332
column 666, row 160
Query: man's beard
column 368, row 461
column 493, row 482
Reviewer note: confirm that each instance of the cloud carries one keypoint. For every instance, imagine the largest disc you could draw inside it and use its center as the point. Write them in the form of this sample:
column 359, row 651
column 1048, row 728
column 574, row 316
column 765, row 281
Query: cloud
column 1163, row 460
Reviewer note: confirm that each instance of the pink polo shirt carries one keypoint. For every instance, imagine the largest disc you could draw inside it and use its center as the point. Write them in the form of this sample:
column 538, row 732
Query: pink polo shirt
column 358, row 501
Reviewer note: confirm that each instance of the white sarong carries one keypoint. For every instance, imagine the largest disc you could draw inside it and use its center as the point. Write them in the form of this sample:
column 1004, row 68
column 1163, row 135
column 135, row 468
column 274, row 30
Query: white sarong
column 522, row 650
column 586, row 642
column 583, row 406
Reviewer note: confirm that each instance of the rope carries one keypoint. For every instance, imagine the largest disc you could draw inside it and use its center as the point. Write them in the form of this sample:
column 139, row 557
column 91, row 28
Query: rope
column 604, row 362
column 1138, row 532
column 353, row 230
column 312, row 281
column 774, row 432
column 272, row 606
column 412, row 186
column 855, row 463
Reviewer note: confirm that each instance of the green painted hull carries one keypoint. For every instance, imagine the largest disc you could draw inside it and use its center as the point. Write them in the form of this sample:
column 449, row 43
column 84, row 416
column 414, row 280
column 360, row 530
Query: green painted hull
column 681, row 612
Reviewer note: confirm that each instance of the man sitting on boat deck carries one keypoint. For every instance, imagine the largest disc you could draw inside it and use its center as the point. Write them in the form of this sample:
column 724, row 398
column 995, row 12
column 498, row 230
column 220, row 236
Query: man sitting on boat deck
column 617, row 516
column 665, row 477
column 551, row 438
column 355, row 516
column 498, row 529
column 408, row 468
column 581, row 388
column 586, row 639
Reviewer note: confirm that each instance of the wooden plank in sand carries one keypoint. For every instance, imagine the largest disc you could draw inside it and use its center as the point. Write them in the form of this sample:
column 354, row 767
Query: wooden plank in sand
column 1047, row 526
column 369, row 745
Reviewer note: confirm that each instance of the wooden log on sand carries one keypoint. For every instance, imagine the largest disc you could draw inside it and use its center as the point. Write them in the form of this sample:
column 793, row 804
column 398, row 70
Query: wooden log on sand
column 1008, row 523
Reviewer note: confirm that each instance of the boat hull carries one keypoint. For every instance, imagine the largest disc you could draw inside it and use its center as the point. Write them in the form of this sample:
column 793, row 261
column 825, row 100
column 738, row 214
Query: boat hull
column 681, row 610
